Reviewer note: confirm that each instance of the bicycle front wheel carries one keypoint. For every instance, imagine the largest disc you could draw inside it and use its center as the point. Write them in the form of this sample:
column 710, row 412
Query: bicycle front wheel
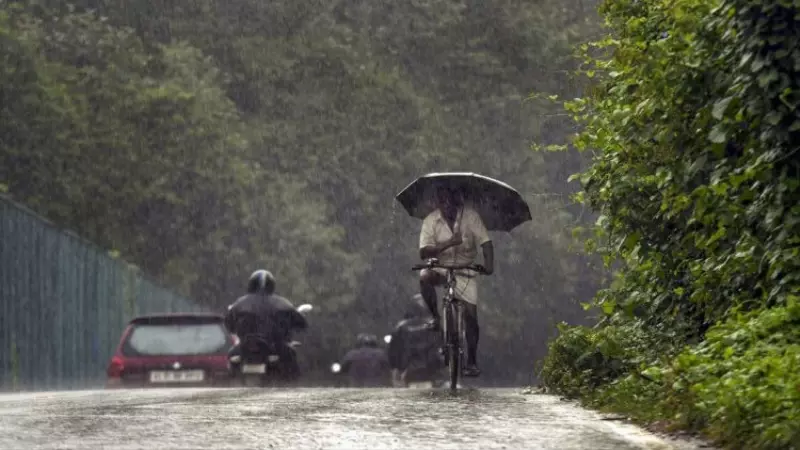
column 453, row 347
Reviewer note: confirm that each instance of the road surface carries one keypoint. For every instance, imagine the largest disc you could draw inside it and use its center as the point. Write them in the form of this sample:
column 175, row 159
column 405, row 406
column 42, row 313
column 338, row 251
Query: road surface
column 309, row 419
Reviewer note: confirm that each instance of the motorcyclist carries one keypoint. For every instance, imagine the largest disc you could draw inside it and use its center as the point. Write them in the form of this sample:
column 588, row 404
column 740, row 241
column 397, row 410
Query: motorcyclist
column 414, row 348
column 263, row 314
column 367, row 365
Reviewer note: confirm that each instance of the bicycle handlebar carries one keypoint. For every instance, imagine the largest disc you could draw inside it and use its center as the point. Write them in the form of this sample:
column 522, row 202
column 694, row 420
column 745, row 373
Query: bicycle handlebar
column 434, row 264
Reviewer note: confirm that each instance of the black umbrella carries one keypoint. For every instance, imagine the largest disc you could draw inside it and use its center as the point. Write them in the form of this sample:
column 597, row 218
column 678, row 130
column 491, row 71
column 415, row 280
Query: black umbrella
column 500, row 206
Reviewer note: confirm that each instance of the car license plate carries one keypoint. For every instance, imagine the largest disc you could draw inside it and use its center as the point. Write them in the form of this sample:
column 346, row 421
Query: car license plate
column 176, row 376
column 424, row 385
column 254, row 368
column 273, row 358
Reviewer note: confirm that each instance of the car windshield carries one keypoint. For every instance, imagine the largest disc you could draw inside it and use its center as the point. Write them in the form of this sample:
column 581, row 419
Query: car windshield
column 177, row 339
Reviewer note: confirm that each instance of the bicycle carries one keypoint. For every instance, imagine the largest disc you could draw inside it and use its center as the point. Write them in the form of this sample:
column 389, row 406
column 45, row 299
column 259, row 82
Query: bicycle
column 453, row 313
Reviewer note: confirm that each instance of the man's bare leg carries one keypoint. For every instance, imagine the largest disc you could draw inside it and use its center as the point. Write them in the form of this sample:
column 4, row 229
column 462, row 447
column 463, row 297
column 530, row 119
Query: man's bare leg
column 428, row 280
column 472, row 333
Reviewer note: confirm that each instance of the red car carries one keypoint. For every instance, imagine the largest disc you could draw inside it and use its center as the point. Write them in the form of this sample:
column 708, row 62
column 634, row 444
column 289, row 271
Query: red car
column 172, row 350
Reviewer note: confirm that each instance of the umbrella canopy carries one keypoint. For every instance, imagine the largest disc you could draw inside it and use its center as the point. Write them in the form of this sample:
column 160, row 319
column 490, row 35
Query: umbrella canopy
column 500, row 206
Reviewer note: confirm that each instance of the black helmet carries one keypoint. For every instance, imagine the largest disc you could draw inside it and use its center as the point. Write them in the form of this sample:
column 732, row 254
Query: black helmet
column 262, row 282
column 416, row 308
column 367, row 340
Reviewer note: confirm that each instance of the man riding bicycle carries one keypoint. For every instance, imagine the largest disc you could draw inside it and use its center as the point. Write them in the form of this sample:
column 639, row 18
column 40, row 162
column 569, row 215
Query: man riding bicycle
column 452, row 233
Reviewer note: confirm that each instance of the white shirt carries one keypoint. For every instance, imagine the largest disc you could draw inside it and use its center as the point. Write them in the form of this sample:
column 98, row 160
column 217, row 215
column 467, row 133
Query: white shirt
column 435, row 231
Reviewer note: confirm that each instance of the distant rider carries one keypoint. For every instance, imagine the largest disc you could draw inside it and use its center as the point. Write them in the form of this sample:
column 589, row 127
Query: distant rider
column 263, row 314
column 414, row 348
column 367, row 365
column 453, row 233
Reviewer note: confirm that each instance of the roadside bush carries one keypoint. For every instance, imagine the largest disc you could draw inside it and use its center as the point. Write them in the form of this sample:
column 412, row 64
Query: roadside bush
column 560, row 370
column 741, row 386
column 581, row 359
column 744, row 380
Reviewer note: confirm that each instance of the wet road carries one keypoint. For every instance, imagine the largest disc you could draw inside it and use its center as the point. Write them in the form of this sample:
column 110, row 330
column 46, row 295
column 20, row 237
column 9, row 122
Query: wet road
column 308, row 419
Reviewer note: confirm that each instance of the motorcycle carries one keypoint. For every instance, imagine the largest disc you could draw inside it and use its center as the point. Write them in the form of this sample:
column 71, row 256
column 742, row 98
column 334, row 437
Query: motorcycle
column 417, row 379
column 336, row 368
column 261, row 362
column 362, row 380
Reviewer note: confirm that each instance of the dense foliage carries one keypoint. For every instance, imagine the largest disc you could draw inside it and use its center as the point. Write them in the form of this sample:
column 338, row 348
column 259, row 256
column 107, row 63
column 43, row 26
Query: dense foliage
column 200, row 140
column 694, row 128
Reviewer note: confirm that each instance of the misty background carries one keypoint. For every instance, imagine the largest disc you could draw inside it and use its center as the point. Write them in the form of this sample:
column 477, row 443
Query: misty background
column 201, row 140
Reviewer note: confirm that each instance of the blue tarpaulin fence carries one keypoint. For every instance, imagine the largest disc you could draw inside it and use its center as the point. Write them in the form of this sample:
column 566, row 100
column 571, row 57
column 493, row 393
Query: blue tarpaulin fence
column 64, row 303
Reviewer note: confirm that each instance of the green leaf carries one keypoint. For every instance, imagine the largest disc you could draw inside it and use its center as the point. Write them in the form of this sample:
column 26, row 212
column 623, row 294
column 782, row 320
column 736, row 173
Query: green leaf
column 720, row 107
column 728, row 353
column 629, row 242
column 698, row 164
column 773, row 118
column 765, row 79
column 718, row 135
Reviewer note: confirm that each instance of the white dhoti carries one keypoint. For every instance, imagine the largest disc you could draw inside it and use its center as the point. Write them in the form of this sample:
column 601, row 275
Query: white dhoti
column 466, row 285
